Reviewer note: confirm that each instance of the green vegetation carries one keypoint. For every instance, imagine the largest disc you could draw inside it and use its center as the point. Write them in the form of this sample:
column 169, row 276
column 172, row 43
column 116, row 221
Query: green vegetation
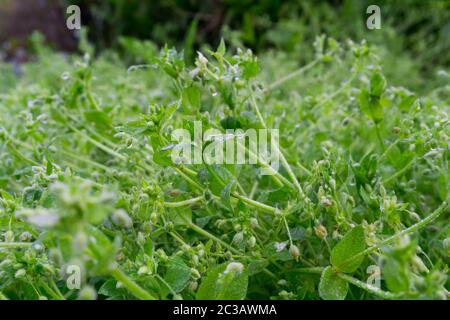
column 86, row 177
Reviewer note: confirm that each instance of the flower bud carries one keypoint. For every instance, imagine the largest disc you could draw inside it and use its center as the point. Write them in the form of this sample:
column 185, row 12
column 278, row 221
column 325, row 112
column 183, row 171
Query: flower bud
column 87, row 293
column 254, row 223
column 143, row 270
column 326, row 202
column 121, row 219
column 20, row 273
column 238, row 237
column 294, row 251
column 25, row 236
column 193, row 285
column 195, row 274
column 321, row 231
column 251, row 242
column 235, row 267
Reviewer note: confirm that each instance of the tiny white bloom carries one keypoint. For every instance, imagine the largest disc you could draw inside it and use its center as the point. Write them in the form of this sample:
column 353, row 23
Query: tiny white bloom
column 235, row 267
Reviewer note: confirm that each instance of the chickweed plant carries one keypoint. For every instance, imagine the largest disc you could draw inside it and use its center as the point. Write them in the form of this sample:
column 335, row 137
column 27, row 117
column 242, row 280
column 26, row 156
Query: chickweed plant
column 356, row 210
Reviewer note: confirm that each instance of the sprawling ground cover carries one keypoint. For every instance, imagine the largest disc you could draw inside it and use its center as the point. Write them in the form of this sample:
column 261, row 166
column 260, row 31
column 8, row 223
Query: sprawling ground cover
column 89, row 194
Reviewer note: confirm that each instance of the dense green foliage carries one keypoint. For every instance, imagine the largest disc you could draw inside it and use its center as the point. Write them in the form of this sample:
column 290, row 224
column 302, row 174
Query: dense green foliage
column 86, row 178
column 415, row 31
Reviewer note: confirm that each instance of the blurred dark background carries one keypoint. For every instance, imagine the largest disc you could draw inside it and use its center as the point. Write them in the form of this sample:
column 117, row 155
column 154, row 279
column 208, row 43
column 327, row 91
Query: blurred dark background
column 421, row 26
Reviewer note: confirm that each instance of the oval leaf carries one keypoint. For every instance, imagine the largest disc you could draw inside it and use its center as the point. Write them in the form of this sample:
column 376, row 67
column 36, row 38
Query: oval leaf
column 234, row 289
column 342, row 254
column 331, row 287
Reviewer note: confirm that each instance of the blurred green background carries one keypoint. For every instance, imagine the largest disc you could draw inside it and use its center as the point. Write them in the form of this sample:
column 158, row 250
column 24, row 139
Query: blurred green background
column 414, row 33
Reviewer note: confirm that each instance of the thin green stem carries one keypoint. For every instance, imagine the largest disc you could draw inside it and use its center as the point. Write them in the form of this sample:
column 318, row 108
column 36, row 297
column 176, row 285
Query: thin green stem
column 183, row 203
column 400, row 172
column 411, row 229
column 15, row 245
column 98, row 144
column 132, row 286
column 256, row 204
column 369, row 288
column 292, row 75
column 212, row 237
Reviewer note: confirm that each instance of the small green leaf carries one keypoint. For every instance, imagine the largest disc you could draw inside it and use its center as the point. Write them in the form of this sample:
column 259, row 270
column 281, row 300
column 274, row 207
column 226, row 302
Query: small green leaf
column 371, row 106
column 331, row 287
column 221, row 49
column 178, row 274
column 396, row 276
column 251, row 69
column 230, row 123
column 377, row 84
column 226, row 194
column 192, row 97
column 352, row 244
column 224, row 286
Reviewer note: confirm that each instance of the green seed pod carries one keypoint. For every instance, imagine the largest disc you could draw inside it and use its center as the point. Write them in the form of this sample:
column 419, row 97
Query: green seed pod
column 143, row 270
column 294, row 251
column 9, row 236
column 20, row 273
column 238, row 237
column 321, row 231
column 154, row 217
column 251, row 242
column 326, row 202
column 193, row 285
column 254, row 223
column 25, row 236
column 282, row 282
column 195, row 274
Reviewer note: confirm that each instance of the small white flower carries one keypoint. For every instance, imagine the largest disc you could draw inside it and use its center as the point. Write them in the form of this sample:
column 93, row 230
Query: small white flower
column 280, row 246
column 235, row 267
column 40, row 217
column 202, row 59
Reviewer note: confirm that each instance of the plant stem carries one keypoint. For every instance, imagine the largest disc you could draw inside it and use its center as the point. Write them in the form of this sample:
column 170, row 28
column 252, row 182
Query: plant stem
column 15, row 245
column 277, row 149
column 400, row 172
column 411, row 229
column 256, row 204
column 212, row 237
column 132, row 286
column 310, row 270
column 369, row 288
column 292, row 74
column 98, row 144
column 183, row 203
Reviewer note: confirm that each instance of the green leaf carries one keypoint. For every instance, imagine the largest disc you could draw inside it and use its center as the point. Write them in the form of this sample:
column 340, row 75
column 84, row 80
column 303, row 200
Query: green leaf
column 251, row 69
column 396, row 276
column 352, row 244
column 192, row 97
column 178, row 274
column 230, row 123
column 218, row 285
column 216, row 177
column 331, row 287
column 100, row 119
column 226, row 194
column 110, row 290
column 377, row 84
column 371, row 106
column 221, row 49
